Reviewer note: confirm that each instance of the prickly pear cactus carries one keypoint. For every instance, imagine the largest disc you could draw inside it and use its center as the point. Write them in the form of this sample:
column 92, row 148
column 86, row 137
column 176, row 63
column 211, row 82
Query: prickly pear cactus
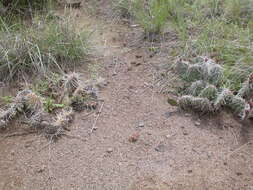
column 205, row 94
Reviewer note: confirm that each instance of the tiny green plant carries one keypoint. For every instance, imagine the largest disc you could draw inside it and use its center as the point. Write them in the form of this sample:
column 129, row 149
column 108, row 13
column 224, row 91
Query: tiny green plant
column 50, row 105
column 7, row 99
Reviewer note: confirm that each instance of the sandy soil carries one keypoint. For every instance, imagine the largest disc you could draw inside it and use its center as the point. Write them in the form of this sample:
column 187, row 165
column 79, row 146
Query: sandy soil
column 172, row 151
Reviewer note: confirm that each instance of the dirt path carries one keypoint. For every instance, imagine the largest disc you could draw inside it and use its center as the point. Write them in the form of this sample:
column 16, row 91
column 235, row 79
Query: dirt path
column 170, row 153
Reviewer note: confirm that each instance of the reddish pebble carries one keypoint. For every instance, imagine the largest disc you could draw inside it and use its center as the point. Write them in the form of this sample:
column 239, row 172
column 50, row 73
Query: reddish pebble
column 134, row 137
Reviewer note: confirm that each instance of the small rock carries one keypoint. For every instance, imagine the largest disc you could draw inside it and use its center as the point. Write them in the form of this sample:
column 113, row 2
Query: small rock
column 134, row 137
column 160, row 148
column 129, row 68
column 168, row 114
column 149, row 133
column 12, row 152
column 146, row 84
column 197, row 123
column 189, row 171
column 95, row 128
column 42, row 169
column 238, row 173
column 138, row 56
column 141, row 124
column 134, row 63
column 109, row 150
column 185, row 133
column 187, row 115
column 27, row 145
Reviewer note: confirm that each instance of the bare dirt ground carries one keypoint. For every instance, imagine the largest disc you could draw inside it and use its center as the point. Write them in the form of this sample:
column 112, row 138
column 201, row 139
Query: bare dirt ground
column 171, row 152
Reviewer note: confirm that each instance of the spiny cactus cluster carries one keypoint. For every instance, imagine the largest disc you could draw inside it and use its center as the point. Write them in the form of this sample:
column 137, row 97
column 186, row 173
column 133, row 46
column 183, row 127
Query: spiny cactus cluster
column 81, row 94
column 205, row 93
column 30, row 105
column 25, row 101
column 75, row 95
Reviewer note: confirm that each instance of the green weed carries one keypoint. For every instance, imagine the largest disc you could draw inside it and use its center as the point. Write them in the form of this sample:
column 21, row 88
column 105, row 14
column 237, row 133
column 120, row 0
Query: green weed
column 6, row 99
column 50, row 105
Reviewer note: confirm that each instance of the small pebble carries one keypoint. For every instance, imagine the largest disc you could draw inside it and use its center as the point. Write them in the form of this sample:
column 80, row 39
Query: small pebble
column 238, row 173
column 109, row 150
column 95, row 128
column 197, row 123
column 138, row 56
column 27, row 145
column 141, row 124
column 168, row 114
column 42, row 169
column 187, row 115
column 160, row 148
column 12, row 152
column 135, row 63
column 134, row 137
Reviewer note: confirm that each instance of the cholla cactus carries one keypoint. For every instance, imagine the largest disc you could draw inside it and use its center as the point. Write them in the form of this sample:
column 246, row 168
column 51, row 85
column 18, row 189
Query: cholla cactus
column 210, row 92
column 35, row 121
column 80, row 94
column 238, row 106
column 74, row 88
column 25, row 101
column 215, row 74
column 33, row 102
column 223, row 98
column 10, row 114
column 71, row 82
column 203, row 69
column 196, row 71
column 196, row 87
column 181, row 66
column 202, row 105
column 30, row 100
column 64, row 117
column 247, row 88
column 205, row 94
column 60, row 123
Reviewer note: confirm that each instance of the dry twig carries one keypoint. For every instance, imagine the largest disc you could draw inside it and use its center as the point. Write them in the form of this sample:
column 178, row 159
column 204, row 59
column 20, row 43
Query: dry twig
column 94, row 124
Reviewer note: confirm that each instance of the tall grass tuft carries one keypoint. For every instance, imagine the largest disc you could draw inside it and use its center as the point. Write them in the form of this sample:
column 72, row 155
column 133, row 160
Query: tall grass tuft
column 239, row 11
column 42, row 47
column 22, row 6
column 152, row 15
